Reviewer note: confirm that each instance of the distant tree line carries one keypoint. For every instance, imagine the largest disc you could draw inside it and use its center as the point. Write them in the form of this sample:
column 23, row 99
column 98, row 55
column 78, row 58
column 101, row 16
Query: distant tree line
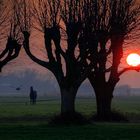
column 83, row 39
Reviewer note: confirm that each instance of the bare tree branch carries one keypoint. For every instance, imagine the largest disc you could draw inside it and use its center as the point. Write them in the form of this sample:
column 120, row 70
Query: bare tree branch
column 128, row 69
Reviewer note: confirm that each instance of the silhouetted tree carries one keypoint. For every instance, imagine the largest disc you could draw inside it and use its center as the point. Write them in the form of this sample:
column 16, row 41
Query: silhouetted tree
column 94, row 32
column 12, row 48
column 63, row 60
column 109, row 23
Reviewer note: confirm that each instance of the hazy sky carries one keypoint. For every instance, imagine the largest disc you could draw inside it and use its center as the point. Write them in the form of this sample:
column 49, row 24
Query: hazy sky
column 23, row 63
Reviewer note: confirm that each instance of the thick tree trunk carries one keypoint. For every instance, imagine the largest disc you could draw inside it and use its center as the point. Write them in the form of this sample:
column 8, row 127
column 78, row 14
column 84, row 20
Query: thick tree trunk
column 104, row 94
column 104, row 97
column 68, row 100
column 103, row 101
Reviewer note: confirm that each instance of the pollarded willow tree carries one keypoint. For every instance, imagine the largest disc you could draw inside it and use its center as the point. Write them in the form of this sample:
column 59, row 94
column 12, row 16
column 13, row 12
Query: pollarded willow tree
column 108, row 25
column 56, row 19
column 8, row 26
column 97, row 28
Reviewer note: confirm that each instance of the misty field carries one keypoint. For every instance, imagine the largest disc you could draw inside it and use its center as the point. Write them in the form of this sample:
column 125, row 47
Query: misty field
column 19, row 120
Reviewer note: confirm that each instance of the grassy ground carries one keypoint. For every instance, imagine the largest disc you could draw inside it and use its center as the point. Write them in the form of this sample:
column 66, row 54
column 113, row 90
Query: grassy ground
column 21, row 121
column 87, row 132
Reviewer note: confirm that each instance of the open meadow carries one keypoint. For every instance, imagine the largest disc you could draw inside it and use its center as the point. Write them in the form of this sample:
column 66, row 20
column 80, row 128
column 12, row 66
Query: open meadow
column 21, row 121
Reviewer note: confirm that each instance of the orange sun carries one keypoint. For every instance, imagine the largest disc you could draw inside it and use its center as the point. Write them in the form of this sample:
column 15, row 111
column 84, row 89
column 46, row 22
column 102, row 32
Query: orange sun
column 133, row 59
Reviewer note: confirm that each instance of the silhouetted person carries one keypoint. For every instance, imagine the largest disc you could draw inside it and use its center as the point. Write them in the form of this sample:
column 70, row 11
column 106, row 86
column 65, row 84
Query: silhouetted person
column 33, row 96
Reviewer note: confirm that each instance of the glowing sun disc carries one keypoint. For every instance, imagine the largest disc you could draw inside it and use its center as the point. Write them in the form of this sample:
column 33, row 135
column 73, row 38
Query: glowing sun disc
column 133, row 59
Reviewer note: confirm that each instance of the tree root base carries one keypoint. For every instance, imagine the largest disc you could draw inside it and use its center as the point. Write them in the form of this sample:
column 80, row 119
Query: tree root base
column 114, row 116
column 69, row 119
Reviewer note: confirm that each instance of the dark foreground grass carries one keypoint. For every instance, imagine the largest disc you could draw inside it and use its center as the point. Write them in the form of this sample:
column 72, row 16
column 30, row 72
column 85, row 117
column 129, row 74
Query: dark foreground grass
column 87, row 132
column 20, row 121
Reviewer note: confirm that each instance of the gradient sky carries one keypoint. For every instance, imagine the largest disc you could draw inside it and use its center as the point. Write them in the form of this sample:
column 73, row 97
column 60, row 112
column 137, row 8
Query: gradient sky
column 23, row 63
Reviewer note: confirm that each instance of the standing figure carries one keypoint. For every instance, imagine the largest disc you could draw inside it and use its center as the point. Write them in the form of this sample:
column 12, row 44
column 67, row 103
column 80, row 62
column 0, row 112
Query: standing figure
column 33, row 96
